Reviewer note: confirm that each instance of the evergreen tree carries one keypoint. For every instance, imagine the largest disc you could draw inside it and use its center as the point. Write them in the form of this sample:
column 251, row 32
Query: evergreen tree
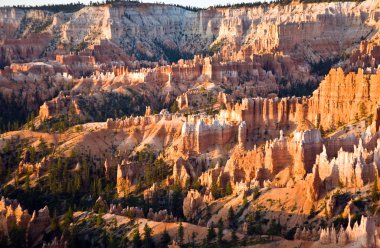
column 165, row 239
column 148, row 240
column 54, row 224
column 312, row 210
column 274, row 228
column 228, row 188
column 176, row 204
column 1, row 167
column 245, row 201
column 15, row 180
column 17, row 236
column 220, row 230
column 180, row 233
column 216, row 191
column 234, row 238
column 375, row 191
column 205, row 243
column 211, row 234
column 27, row 181
column 174, row 107
column 99, row 219
column 124, row 243
column 231, row 218
column 136, row 240
column 67, row 218
column 256, row 193
column 114, row 224
column 112, row 242
column 253, row 227
column 193, row 243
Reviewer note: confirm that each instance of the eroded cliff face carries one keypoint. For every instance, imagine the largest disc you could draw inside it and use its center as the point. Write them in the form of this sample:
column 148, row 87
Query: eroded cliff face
column 149, row 30
column 261, row 50
column 259, row 29
column 22, row 34
column 343, row 97
column 282, row 28
column 340, row 99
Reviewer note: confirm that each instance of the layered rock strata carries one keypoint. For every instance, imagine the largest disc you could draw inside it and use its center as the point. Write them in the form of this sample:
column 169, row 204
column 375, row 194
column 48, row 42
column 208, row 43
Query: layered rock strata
column 235, row 32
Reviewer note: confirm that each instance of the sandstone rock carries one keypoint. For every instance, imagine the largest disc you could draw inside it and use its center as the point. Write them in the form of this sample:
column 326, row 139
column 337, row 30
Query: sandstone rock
column 193, row 205
column 240, row 188
column 210, row 177
column 342, row 237
column 160, row 216
column 131, row 212
column 306, row 234
column 174, row 244
column 350, row 209
column 363, row 234
column 348, row 168
column 242, row 135
column 107, row 169
column 314, row 185
column 181, row 172
column 37, row 225
column 56, row 243
column 261, row 27
column 356, row 101
column 77, row 167
column 11, row 213
column 100, row 204
column 204, row 134
column 149, row 193
column 127, row 174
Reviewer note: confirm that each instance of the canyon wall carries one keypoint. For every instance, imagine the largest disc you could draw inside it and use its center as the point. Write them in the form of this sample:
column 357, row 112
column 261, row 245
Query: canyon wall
column 163, row 28
column 342, row 97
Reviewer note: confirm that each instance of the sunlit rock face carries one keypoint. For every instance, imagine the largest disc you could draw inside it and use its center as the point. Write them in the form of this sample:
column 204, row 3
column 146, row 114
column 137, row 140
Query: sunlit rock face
column 343, row 97
column 363, row 234
column 12, row 214
column 248, row 31
column 347, row 168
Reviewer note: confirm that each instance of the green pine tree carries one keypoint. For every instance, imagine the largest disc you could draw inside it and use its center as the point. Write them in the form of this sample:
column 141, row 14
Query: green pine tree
column 27, row 182
column 148, row 240
column 234, row 238
column 211, row 234
column 99, row 219
column 228, row 188
column 68, row 218
column 231, row 218
column 193, row 236
column 220, row 230
column 375, row 191
column 165, row 239
column 180, row 233
column 54, row 223
column 136, row 239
